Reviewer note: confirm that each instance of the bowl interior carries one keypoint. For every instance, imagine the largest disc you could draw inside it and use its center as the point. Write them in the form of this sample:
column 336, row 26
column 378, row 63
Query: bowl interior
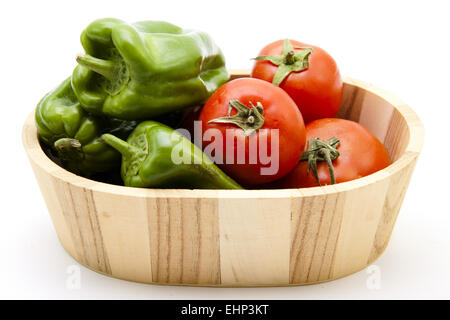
column 379, row 116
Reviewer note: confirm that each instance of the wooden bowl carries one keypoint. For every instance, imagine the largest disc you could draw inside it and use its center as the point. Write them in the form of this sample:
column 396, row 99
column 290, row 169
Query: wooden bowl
column 238, row 238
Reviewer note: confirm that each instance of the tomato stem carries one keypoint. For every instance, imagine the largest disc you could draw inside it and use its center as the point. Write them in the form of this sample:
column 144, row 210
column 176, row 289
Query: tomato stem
column 248, row 119
column 290, row 58
column 289, row 61
column 319, row 150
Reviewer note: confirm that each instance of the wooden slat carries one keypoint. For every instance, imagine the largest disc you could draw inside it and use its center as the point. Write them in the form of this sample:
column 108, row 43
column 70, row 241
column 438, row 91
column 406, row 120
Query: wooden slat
column 126, row 236
column 315, row 227
column 80, row 213
column 184, row 240
column 362, row 211
column 254, row 241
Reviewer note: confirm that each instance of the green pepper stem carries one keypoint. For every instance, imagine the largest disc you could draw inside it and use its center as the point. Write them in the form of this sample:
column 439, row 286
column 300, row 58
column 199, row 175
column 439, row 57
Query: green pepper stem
column 126, row 149
column 105, row 68
column 68, row 149
column 67, row 143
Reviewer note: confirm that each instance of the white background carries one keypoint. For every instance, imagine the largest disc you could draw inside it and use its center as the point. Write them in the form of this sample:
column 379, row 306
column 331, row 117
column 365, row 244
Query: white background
column 401, row 46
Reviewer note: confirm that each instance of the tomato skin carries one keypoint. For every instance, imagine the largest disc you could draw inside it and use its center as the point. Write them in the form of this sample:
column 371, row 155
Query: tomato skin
column 280, row 112
column 317, row 90
column 361, row 154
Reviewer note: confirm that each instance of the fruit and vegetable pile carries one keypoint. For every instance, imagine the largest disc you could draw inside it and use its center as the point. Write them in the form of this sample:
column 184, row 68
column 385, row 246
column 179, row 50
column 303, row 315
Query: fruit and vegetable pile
column 154, row 103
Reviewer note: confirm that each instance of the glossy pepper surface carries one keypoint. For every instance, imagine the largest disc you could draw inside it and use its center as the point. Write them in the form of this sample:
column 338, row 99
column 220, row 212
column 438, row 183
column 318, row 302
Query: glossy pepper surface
column 141, row 70
column 156, row 156
column 74, row 135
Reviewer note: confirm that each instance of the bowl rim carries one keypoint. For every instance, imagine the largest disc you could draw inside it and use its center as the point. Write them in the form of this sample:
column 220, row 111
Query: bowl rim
column 412, row 150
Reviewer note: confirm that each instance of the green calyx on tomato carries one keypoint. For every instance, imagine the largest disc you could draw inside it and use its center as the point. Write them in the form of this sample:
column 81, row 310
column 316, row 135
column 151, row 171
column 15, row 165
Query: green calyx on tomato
column 248, row 119
column 289, row 61
column 319, row 150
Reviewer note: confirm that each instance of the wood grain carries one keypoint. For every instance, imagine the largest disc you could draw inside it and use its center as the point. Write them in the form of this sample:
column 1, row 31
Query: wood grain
column 358, row 227
column 80, row 213
column 254, row 241
column 238, row 237
column 184, row 240
column 124, row 227
column 315, row 225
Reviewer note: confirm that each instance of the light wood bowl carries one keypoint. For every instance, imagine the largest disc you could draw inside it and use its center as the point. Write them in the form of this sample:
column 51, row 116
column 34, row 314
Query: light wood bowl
column 238, row 238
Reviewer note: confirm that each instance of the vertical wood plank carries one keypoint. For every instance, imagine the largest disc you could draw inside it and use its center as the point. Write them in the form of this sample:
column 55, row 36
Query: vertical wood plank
column 315, row 227
column 47, row 186
column 80, row 212
column 397, row 136
column 358, row 227
column 254, row 241
column 352, row 102
column 125, row 233
column 398, row 184
column 184, row 238
column 375, row 115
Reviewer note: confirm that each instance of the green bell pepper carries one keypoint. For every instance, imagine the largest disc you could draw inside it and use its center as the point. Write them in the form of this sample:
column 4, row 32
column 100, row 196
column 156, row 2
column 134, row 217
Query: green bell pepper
column 156, row 156
column 74, row 135
column 142, row 70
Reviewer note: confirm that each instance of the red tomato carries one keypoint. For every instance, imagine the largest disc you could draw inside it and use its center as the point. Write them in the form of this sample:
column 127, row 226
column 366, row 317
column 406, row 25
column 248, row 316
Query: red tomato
column 360, row 154
column 317, row 90
column 283, row 146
